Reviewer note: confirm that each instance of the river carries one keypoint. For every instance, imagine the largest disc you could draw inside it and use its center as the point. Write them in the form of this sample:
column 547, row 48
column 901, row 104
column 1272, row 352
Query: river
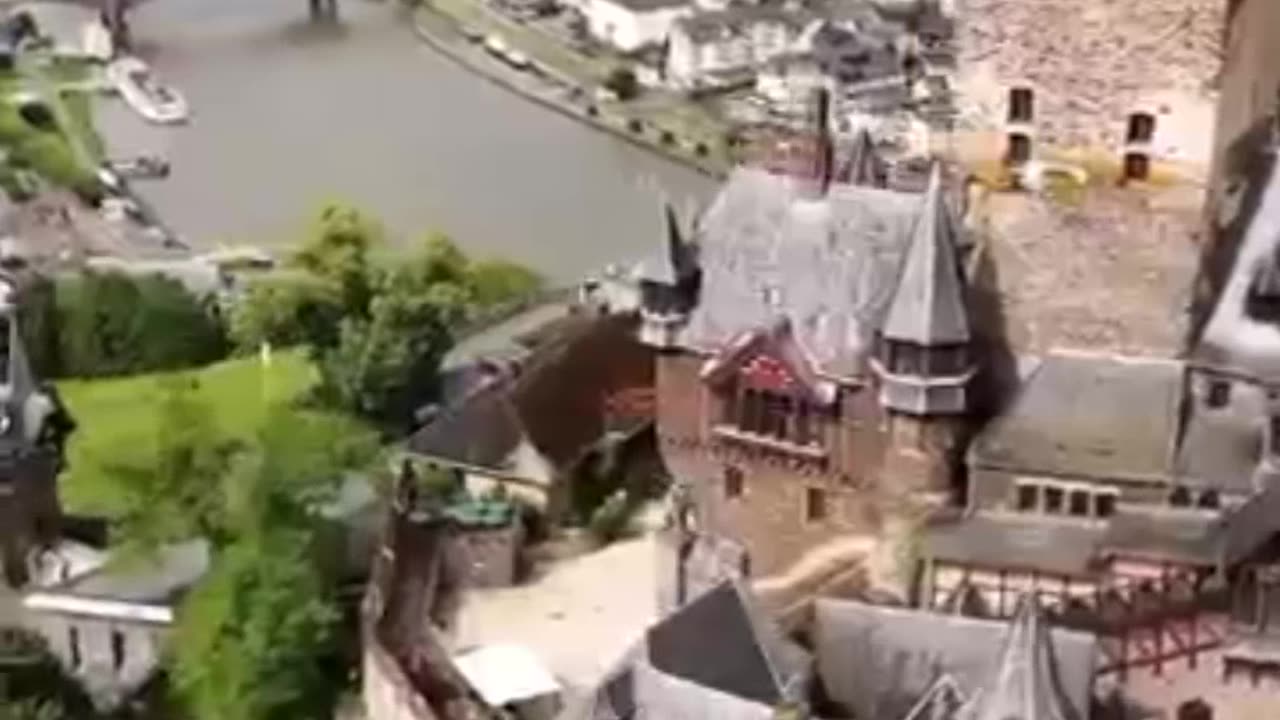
column 286, row 116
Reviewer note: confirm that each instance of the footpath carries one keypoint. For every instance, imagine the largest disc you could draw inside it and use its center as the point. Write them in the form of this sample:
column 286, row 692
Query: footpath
column 564, row 80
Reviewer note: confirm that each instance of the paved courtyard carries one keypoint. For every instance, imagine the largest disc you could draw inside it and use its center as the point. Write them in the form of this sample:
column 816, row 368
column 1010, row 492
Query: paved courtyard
column 578, row 618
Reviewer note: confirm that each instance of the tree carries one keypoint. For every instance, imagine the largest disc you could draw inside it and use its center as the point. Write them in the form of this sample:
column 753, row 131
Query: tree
column 254, row 639
column 112, row 323
column 337, row 251
column 499, row 282
column 287, row 308
column 385, row 367
column 176, row 492
column 622, row 81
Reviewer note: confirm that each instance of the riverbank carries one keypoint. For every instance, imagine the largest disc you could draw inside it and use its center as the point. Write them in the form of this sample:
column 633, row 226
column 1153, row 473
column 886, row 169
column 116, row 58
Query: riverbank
column 443, row 33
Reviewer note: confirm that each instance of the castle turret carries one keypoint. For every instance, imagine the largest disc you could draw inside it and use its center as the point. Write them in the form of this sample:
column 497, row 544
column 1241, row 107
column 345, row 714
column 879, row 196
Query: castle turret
column 668, row 282
column 923, row 356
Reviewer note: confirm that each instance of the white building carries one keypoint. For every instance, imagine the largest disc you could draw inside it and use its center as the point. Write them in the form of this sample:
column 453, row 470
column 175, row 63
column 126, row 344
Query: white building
column 630, row 25
column 718, row 47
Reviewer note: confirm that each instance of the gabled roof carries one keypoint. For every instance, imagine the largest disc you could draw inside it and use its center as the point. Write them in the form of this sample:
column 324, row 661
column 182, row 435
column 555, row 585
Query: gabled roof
column 776, row 342
column 928, row 307
column 1024, row 682
column 767, row 249
column 559, row 403
column 720, row 641
column 941, row 702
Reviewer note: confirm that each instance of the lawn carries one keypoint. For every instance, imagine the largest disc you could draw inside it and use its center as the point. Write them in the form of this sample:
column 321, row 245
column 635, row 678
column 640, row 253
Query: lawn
column 117, row 417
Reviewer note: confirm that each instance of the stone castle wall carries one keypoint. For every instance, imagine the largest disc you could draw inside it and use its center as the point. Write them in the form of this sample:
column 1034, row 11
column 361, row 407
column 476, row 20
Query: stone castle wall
column 1091, row 64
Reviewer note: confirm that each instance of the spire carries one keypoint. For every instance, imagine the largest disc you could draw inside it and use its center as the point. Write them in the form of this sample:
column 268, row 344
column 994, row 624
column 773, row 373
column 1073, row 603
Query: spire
column 1024, row 682
column 928, row 306
column 666, row 265
column 863, row 165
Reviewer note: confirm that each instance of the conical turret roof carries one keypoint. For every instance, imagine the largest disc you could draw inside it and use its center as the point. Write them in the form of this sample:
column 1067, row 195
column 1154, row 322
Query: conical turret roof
column 928, row 305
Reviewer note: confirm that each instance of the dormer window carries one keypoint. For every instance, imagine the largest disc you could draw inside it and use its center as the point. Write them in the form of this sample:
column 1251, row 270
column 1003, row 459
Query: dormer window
column 772, row 414
column 1219, row 394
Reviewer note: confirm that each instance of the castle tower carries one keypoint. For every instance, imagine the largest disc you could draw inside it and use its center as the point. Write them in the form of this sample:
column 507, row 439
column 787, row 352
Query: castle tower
column 923, row 357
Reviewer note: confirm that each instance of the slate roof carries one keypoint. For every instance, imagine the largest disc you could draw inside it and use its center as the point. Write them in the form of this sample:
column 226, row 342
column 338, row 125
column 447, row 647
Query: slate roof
column 830, row 265
column 557, row 403
column 720, row 641
column 1018, row 542
column 674, row 258
column 158, row 581
column 639, row 6
column 928, row 307
column 878, row 662
column 1024, row 682
column 1089, row 417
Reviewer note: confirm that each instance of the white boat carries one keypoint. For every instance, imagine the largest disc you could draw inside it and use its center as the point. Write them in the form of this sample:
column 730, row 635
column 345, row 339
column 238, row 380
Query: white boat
column 138, row 86
column 517, row 60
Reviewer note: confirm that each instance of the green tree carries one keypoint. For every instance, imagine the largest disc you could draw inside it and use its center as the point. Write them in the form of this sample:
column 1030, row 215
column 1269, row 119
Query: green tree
column 337, row 250
column 385, row 367
column 176, row 491
column 256, row 637
column 499, row 282
column 287, row 308
column 622, row 81
column 112, row 324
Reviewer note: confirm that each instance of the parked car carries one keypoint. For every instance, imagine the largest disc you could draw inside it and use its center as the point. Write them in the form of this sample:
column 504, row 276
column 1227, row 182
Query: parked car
column 143, row 166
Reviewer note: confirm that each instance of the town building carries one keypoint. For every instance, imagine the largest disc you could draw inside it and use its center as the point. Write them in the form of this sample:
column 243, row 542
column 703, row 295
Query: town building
column 107, row 625
column 720, row 656
column 815, row 355
column 632, row 25
column 1128, row 91
column 33, row 431
column 725, row 47
column 583, row 397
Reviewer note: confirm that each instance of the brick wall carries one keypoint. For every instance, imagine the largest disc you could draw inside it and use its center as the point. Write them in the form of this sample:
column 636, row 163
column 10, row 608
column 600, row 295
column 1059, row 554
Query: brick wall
column 1090, row 64
column 769, row 517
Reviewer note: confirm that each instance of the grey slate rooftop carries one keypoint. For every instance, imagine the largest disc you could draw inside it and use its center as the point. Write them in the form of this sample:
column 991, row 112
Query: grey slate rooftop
column 1091, row 417
column 157, row 580
column 830, row 265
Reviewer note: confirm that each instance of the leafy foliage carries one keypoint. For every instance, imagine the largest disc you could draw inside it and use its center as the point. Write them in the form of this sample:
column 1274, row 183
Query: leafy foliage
column 286, row 309
column 253, row 638
column 497, row 282
column 337, row 251
column 114, row 324
column 622, row 81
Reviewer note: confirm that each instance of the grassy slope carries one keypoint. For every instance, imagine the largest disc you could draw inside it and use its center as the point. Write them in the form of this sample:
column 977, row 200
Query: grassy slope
column 117, row 418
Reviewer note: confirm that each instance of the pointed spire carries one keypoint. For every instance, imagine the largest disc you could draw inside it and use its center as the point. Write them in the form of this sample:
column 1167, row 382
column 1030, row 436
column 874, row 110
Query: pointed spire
column 665, row 265
column 863, row 165
column 928, row 306
column 1024, row 682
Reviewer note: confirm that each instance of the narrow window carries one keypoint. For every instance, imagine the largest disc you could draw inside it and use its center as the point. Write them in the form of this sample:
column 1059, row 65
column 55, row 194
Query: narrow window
column 815, row 504
column 1209, row 500
column 117, row 649
column 733, row 482
column 752, row 411
column 73, row 641
column 1219, row 393
column 1079, row 503
column 1137, row 166
column 1142, row 128
column 1027, row 496
column 802, row 424
column 1021, row 105
column 1180, row 497
column 1019, row 150
column 1053, row 497
column 1104, row 504
column 1273, row 424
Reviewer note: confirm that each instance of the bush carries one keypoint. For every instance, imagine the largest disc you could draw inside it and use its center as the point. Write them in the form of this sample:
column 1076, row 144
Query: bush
column 115, row 324
column 499, row 282
column 285, row 309
column 622, row 82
